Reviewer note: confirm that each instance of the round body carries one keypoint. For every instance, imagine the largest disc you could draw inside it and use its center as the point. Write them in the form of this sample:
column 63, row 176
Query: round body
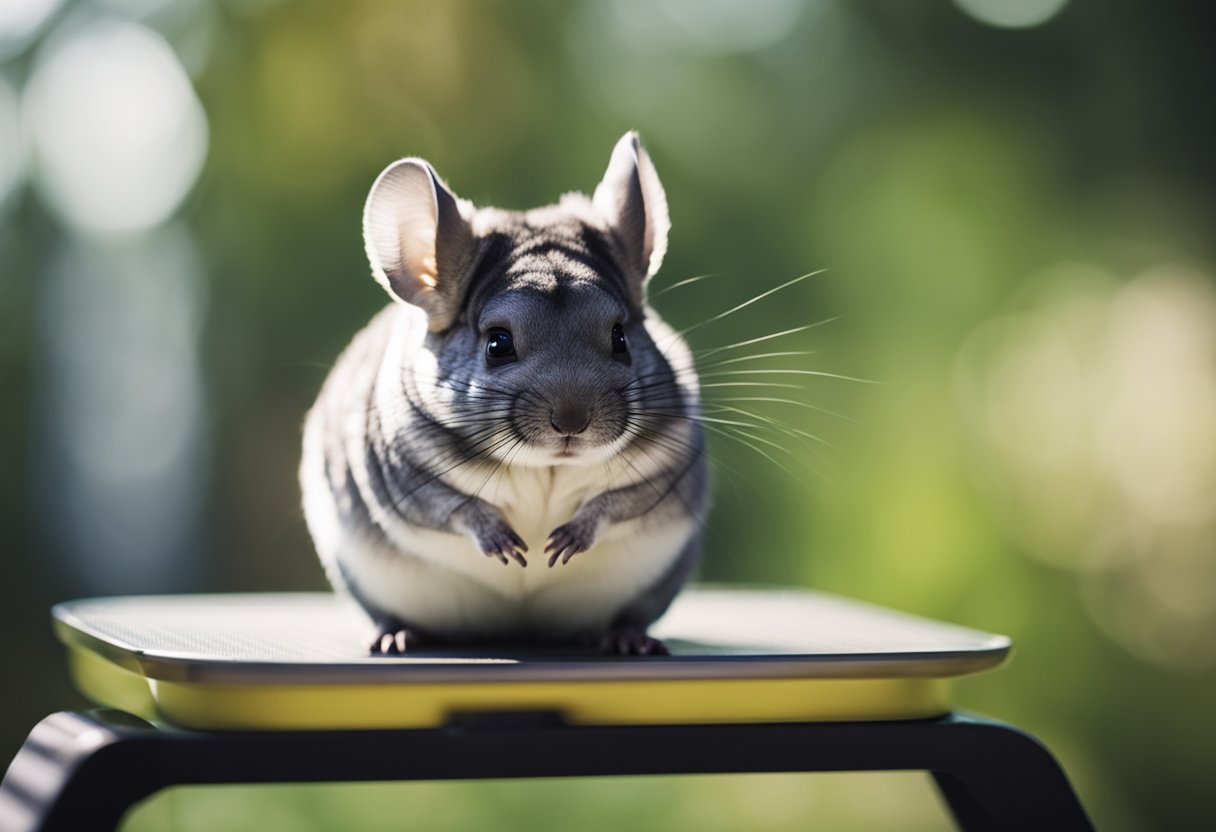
column 513, row 448
column 402, row 565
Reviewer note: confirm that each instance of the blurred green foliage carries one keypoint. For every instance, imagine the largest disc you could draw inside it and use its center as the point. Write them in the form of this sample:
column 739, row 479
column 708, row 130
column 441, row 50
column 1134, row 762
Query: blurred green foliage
column 940, row 169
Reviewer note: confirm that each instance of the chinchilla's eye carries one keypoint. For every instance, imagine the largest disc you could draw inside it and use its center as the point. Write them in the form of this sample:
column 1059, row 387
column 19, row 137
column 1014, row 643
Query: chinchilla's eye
column 619, row 347
column 500, row 348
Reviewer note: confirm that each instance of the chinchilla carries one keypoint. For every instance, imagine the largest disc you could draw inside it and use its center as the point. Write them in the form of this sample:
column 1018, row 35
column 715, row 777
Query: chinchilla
column 517, row 396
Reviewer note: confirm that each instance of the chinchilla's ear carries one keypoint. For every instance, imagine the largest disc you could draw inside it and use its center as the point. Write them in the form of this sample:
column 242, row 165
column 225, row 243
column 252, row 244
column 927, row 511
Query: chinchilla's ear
column 631, row 198
column 419, row 240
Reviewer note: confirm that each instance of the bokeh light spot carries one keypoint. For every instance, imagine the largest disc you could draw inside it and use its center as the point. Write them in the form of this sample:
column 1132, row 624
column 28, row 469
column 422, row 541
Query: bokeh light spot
column 1012, row 14
column 123, row 452
column 1093, row 408
column 20, row 20
column 119, row 134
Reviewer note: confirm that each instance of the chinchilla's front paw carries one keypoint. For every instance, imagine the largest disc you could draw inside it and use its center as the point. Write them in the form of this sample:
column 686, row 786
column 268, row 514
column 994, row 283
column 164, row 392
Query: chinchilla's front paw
column 496, row 538
column 569, row 539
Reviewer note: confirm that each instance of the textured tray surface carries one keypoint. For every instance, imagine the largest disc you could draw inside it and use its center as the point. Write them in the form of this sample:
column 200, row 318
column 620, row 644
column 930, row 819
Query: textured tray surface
column 713, row 633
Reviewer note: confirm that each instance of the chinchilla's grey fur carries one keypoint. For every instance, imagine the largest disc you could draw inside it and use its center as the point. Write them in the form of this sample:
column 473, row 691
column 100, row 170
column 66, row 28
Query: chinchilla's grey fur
column 428, row 466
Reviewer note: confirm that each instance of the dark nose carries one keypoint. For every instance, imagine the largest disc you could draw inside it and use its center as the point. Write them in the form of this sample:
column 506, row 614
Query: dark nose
column 570, row 418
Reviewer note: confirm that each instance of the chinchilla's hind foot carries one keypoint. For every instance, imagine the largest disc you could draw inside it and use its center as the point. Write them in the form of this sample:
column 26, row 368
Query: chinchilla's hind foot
column 626, row 642
column 394, row 640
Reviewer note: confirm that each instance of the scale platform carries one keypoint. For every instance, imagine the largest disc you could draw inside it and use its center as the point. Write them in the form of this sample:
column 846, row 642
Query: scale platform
column 300, row 662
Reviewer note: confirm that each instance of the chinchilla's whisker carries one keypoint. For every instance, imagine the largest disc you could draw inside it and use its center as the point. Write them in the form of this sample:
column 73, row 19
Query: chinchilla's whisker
column 651, row 429
column 652, row 434
column 682, row 446
column 750, row 301
column 787, row 372
column 779, row 400
column 717, row 384
column 663, row 375
column 749, row 441
column 462, row 449
column 702, row 418
column 665, row 442
column 655, row 391
column 685, row 282
column 487, row 447
column 501, row 465
column 425, row 477
column 757, row 357
column 785, row 450
column 694, row 461
column 706, row 353
column 766, row 423
column 718, row 464
column 809, row 440
column 778, row 424
column 730, row 426
column 472, row 415
column 642, row 479
column 472, row 438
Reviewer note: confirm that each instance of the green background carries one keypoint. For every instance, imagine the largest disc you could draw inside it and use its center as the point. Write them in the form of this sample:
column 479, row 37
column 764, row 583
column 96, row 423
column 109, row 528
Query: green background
column 1016, row 229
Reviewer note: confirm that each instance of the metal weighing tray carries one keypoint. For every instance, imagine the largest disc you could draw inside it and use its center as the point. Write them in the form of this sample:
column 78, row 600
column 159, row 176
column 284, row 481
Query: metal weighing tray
column 299, row 661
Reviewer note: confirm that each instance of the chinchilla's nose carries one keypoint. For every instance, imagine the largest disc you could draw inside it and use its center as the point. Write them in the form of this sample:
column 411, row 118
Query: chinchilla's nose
column 570, row 418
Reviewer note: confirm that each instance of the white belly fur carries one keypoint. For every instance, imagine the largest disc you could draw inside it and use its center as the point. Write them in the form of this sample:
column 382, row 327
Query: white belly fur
column 442, row 582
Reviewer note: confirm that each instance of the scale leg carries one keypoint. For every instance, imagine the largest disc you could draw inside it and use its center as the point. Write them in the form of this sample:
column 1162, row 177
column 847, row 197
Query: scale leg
column 70, row 775
column 1005, row 780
